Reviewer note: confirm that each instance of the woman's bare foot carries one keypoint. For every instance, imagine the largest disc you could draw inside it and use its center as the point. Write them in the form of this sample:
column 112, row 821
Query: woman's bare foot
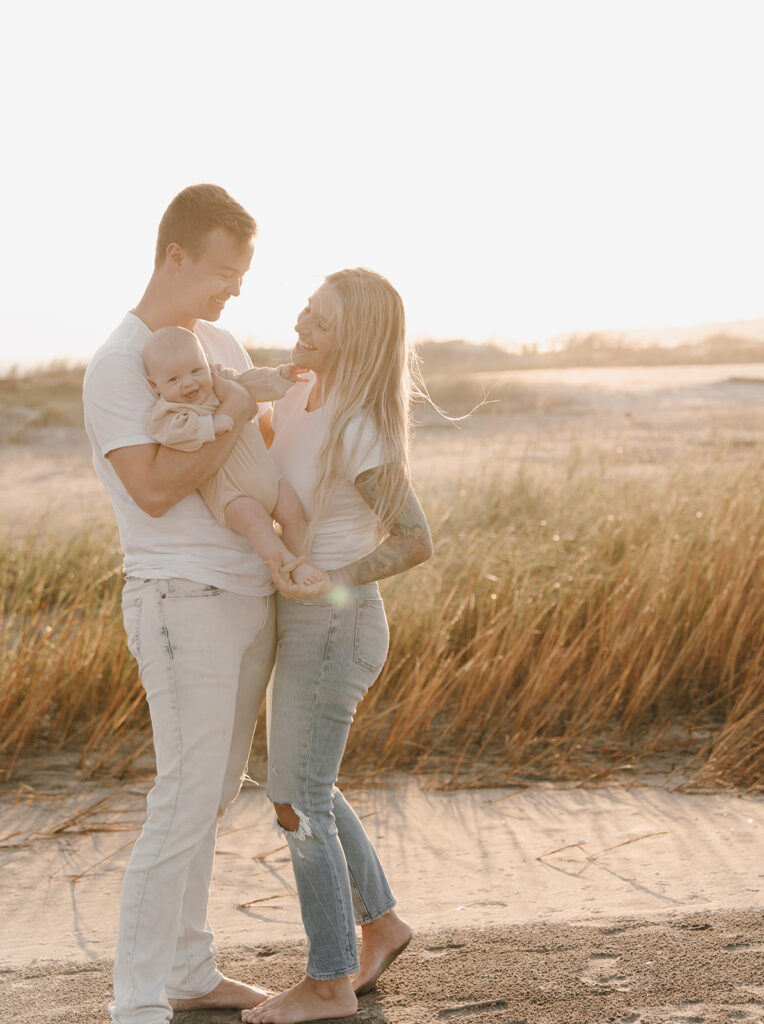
column 383, row 940
column 308, row 1000
column 227, row 995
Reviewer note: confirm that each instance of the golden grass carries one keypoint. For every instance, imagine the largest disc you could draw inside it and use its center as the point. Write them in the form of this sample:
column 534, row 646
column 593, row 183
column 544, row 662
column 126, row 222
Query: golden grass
column 50, row 397
column 564, row 628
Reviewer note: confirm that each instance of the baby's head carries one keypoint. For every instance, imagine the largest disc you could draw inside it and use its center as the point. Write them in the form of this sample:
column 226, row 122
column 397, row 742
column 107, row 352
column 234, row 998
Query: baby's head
column 176, row 366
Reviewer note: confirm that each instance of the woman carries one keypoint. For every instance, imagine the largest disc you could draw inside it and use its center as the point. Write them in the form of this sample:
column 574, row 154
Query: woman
column 341, row 440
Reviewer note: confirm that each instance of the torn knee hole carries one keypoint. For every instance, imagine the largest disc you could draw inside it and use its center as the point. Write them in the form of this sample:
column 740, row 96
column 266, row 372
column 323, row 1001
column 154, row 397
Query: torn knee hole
column 288, row 820
column 292, row 821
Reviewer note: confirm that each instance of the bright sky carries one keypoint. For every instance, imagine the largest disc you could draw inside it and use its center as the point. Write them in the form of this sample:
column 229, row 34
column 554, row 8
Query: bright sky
column 517, row 169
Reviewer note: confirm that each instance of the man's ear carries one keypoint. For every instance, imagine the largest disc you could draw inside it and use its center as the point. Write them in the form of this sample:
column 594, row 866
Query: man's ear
column 175, row 254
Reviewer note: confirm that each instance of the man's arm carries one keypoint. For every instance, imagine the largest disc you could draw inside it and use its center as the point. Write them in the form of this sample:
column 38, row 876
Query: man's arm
column 156, row 478
column 265, row 423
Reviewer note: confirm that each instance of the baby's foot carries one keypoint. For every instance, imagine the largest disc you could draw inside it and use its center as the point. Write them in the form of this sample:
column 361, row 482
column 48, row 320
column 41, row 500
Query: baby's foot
column 306, row 574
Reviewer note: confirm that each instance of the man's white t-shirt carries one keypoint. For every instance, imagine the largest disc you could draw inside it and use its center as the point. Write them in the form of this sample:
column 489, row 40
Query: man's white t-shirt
column 348, row 531
column 187, row 541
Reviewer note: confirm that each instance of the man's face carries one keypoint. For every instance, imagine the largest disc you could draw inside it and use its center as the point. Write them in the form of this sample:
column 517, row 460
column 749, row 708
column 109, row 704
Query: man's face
column 206, row 283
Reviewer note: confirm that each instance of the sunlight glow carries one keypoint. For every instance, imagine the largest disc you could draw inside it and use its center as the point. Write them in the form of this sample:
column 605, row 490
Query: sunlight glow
column 518, row 170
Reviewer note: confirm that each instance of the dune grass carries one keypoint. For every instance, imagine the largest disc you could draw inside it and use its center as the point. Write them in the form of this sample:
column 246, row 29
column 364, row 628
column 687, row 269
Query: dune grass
column 565, row 628
column 48, row 397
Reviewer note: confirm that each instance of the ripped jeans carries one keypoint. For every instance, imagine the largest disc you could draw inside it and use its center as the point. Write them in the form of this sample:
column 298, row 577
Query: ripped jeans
column 329, row 654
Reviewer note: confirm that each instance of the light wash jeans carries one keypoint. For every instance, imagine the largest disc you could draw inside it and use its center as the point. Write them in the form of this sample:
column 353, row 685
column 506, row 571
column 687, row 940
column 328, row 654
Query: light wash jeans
column 330, row 652
column 205, row 657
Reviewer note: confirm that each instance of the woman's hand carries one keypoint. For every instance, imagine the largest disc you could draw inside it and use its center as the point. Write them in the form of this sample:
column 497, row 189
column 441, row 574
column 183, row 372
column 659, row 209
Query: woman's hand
column 280, row 574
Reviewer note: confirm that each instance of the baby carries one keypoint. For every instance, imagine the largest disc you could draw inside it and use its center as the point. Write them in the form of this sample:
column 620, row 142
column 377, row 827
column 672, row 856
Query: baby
column 246, row 494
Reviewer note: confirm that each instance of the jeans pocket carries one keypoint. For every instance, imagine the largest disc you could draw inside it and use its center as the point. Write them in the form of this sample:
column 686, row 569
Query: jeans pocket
column 371, row 635
column 131, row 616
column 178, row 587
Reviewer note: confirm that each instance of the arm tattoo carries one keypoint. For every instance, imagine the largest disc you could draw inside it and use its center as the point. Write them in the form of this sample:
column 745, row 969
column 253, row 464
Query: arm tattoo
column 408, row 544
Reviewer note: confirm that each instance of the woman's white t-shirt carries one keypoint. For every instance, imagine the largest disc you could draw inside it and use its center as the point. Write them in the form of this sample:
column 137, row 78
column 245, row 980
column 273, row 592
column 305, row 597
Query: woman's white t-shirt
column 348, row 530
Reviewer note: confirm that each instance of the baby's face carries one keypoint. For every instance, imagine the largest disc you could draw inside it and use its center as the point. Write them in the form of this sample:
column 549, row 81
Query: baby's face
column 182, row 374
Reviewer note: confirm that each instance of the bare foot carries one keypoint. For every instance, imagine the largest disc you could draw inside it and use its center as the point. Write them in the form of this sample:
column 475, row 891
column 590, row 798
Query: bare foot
column 227, row 995
column 308, row 1000
column 383, row 940
column 306, row 574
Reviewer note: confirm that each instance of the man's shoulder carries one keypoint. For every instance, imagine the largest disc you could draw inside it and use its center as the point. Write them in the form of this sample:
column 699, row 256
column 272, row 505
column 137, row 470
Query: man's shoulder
column 125, row 344
column 115, row 378
column 221, row 346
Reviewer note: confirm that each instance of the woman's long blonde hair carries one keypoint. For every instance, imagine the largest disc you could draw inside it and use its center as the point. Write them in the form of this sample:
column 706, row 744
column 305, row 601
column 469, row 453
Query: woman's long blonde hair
column 371, row 371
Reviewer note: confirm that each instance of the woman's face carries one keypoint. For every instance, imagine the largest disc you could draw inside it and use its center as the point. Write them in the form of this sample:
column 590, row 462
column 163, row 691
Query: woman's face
column 316, row 329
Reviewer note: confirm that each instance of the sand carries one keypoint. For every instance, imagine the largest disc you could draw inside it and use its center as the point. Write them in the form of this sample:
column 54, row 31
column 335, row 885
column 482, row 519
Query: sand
column 543, row 904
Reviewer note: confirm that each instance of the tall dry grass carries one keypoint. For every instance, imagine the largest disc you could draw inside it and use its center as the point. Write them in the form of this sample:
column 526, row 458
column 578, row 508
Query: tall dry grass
column 567, row 625
column 66, row 675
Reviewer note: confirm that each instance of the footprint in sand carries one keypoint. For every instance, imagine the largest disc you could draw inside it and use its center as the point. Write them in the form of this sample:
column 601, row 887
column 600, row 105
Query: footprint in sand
column 600, row 973
column 744, row 947
column 469, row 1008
column 431, row 952
column 696, row 1013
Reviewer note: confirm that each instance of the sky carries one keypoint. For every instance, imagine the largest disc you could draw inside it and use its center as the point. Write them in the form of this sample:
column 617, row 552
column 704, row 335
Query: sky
column 519, row 170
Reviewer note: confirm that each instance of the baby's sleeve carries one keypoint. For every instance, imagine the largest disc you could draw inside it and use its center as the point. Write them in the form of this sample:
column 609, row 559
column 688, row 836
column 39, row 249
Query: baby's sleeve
column 178, row 426
column 264, row 383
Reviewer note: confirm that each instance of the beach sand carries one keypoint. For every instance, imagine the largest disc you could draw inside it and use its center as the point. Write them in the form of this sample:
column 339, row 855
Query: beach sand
column 543, row 904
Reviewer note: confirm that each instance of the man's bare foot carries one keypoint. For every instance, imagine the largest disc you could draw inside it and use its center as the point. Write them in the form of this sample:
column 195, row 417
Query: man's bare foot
column 308, row 1000
column 383, row 940
column 227, row 995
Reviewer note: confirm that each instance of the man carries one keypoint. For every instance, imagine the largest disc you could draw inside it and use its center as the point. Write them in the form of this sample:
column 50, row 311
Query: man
column 198, row 611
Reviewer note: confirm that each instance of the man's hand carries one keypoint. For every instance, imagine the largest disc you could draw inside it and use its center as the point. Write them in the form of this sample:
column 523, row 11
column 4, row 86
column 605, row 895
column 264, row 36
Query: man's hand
column 238, row 401
column 280, row 574
column 221, row 423
column 224, row 371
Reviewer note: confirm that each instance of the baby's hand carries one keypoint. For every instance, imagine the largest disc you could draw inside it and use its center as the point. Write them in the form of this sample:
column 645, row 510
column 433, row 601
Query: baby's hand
column 221, row 423
column 290, row 371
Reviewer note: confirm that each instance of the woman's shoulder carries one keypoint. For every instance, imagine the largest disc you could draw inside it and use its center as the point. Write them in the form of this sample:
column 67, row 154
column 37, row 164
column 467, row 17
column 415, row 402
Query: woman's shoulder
column 361, row 424
column 362, row 443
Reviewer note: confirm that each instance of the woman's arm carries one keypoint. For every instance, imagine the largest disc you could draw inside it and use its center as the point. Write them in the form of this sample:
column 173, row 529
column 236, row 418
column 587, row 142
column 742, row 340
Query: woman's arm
column 408, row 544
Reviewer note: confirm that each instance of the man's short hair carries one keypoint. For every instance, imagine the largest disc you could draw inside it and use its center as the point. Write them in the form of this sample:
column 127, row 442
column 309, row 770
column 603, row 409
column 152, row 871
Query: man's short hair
column 195, row 212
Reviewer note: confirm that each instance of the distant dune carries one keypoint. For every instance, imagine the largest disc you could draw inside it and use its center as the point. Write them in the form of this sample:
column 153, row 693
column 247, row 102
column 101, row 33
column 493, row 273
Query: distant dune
column 739, row 330
column 587, row 350
column 740, row 341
